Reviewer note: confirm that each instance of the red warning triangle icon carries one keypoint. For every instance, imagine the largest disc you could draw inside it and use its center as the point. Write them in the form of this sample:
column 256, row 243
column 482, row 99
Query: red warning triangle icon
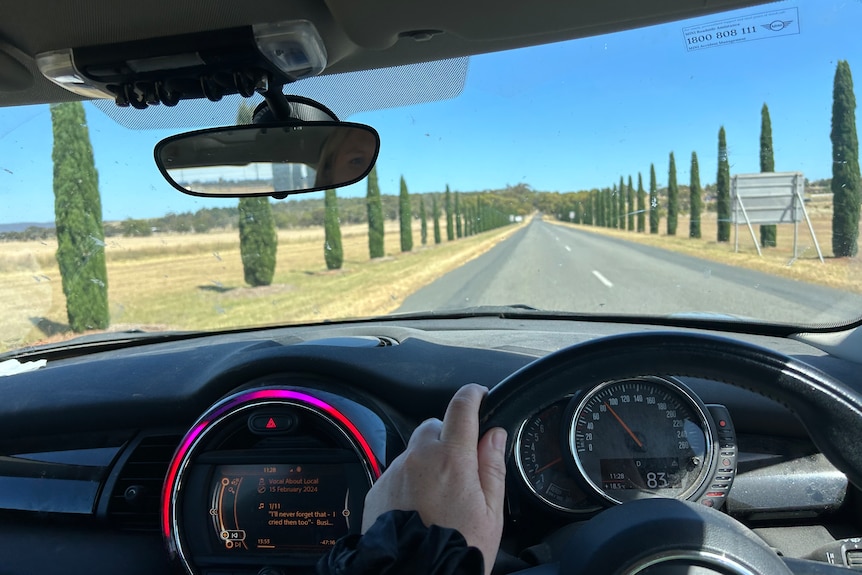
column 270, row 424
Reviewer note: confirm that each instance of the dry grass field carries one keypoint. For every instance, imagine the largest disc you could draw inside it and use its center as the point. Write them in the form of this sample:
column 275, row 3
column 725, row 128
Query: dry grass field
column 840, row 273
column 195, row 281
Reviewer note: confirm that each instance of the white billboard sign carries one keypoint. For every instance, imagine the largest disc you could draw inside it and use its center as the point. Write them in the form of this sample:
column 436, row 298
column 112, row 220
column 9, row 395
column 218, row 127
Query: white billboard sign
column 768, row 198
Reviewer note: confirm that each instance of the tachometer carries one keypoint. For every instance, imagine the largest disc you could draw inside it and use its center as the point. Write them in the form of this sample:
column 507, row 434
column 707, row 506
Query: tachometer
column 544, row 462
column 640, row 438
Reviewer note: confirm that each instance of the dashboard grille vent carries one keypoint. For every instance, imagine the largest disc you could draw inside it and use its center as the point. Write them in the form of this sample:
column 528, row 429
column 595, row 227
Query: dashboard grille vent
column 134, row 501
column 854, row 558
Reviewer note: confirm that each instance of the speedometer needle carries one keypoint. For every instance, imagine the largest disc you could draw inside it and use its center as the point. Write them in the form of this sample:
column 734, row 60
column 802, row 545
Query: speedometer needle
column 626, row 427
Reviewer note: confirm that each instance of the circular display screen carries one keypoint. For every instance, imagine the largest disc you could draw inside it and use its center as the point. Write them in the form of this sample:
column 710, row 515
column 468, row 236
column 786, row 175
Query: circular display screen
column 641, row 438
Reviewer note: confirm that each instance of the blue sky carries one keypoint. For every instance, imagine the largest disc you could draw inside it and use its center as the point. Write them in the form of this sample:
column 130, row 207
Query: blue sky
column 563, row 117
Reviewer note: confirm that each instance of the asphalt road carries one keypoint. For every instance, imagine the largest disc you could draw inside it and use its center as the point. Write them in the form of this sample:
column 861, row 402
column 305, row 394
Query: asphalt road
column 559, row 268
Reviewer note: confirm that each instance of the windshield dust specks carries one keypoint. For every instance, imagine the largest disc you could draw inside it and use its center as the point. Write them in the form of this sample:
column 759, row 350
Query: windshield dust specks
column 96, row 241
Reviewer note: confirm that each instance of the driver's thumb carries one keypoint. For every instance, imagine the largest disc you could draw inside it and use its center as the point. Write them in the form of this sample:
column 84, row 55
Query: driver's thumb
column 492, row 468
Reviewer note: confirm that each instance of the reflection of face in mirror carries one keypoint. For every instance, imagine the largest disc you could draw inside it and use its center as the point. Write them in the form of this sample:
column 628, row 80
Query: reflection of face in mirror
column 345, row 156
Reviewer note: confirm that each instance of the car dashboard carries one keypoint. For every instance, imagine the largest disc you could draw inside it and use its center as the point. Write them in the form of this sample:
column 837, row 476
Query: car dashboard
column 251, row 452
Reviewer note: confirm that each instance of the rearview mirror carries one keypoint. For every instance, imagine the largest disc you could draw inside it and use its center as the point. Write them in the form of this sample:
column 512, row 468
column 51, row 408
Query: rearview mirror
column 268, row 160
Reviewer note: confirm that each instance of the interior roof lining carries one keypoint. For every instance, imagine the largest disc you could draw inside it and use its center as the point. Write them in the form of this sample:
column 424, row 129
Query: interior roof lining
column 357, row 37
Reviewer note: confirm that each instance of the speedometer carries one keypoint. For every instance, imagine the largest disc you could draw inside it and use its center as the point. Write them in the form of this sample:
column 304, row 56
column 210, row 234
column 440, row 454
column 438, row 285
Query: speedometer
column 640, row 438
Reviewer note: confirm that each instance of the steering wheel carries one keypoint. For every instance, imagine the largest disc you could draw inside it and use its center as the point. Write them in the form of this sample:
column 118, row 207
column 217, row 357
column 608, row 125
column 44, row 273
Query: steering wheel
column 651, row 536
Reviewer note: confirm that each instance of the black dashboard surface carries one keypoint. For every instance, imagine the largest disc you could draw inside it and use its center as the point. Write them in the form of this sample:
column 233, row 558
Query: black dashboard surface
column 75, row 421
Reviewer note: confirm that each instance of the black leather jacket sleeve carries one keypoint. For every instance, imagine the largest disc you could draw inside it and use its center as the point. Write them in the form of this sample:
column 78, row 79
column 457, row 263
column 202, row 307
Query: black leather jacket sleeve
column 400, row 543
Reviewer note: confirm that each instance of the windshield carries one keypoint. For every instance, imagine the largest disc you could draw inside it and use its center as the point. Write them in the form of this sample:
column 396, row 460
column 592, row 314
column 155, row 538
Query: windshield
column 704, row 168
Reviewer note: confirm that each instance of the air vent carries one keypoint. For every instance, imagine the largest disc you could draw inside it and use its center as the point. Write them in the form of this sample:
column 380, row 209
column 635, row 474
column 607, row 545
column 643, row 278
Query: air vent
column 134, row 501
column 854, row 558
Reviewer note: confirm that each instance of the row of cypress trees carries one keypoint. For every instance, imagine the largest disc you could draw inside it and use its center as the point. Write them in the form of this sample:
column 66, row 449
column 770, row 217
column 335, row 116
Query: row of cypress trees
column 595, row 213
column 461, row 220
column 609, row 207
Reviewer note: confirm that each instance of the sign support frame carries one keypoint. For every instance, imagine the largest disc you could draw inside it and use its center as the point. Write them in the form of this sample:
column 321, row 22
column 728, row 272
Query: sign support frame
column 797, row 205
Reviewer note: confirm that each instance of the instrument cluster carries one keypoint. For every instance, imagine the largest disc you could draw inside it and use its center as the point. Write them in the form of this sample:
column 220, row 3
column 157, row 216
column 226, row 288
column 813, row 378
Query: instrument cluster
column 624, row 440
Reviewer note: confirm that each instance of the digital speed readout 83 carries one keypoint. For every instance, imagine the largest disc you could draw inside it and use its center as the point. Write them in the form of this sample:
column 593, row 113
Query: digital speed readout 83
column 642, row 437
column 281, row 508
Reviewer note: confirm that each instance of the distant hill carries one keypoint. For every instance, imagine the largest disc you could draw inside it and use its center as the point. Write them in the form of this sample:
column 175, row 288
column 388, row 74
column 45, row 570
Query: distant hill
column 21, row 226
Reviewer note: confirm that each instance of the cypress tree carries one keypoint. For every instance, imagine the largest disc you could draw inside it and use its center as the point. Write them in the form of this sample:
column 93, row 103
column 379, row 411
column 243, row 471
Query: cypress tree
column 614, row 208
column 603, row 207
column 474, row 220
column 78, row 220
column 435, row 213
column 653, row 202
column 641, row 205
column 406, row 217
column 846, row 186
column 597, row 207
column 610, row 202
column 723, row 192
column 375, row 216
column 672, row 198
column 621, row 206
column 258, row 240
column 768, row 233
column 600, row 209
column 630, row 200
column 450, row 229
column 333, row 252
column 458, row 230
column 424, row 220
column 696, row 199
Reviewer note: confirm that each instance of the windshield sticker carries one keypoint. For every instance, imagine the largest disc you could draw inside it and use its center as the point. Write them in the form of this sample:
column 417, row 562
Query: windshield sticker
column 743, row 29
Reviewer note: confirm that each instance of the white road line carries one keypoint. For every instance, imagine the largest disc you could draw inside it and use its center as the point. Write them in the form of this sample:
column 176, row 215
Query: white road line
column 602, row 279
column 568, row 249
